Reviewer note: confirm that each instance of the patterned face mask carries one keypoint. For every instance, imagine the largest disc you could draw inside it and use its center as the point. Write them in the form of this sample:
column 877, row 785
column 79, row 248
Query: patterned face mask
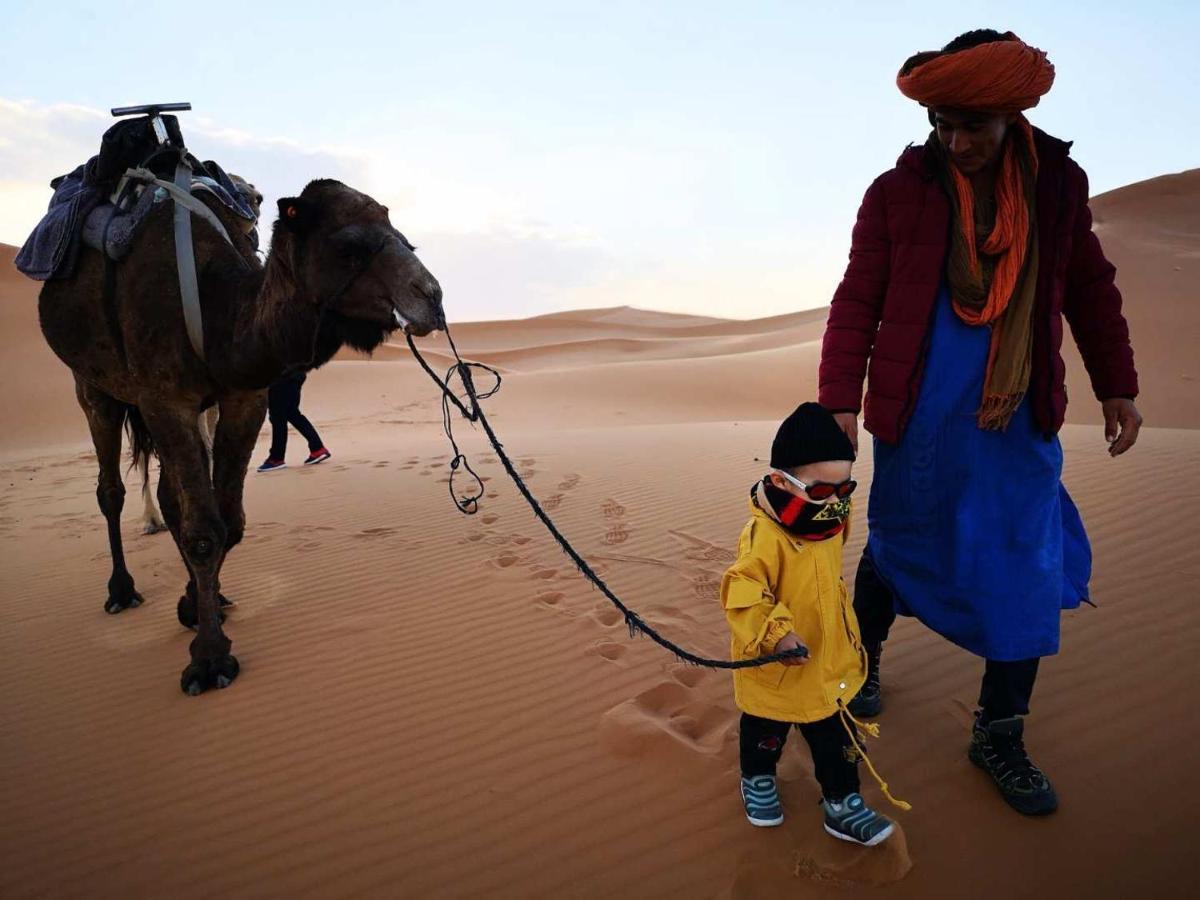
column 811, row 521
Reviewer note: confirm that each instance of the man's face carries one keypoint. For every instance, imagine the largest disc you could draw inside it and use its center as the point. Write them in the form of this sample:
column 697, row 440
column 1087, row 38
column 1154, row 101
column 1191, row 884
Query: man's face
column 973, row 139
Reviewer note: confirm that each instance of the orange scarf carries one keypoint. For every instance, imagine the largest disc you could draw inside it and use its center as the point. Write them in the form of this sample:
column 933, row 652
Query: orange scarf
column 992, row 269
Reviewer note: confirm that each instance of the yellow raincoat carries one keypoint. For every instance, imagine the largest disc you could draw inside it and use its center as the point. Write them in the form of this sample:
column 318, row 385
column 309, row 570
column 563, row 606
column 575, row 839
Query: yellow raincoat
column 779, row 584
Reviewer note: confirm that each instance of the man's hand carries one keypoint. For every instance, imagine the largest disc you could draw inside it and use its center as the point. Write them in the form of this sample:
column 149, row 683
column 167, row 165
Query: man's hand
column 790, row 642
column 1121, row 424
column 848, row 422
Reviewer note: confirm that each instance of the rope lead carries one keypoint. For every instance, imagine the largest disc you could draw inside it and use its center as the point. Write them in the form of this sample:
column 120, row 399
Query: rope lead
column 472, row 411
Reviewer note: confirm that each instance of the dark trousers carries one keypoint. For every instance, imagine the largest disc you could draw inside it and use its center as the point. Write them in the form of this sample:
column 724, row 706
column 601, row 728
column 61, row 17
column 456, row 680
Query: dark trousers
column 834, row 756
column 283, row 409
column 1006, row 687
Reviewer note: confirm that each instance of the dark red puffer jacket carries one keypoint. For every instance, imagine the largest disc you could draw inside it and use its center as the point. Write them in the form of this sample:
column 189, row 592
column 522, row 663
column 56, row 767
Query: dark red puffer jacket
column 880, row 319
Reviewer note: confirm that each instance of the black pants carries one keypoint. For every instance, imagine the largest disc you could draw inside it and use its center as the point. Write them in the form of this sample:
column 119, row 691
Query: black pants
column 1006, row 687
column 283, row 409
column 834, row 756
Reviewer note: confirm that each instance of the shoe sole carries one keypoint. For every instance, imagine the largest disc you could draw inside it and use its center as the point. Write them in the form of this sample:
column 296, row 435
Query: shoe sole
column 1033, row 813
column 875, row 841
column 765, row 823
column 317, row 462
column 272, row 469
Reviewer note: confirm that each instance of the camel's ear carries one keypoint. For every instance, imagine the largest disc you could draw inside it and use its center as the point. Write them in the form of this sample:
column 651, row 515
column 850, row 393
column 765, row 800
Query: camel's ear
column 297, row 214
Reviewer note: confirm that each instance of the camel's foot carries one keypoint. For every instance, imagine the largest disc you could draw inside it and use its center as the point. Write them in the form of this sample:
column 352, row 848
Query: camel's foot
column 153, row 526
column 121, row 595
column 203, row 674
column 186, row 610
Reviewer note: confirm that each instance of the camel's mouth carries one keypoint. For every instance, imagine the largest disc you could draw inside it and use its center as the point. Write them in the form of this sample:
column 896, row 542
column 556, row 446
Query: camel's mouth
column 409, row 327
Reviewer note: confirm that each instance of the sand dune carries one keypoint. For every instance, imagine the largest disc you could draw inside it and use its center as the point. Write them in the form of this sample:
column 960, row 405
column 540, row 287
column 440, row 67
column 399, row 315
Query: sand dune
column 435, row 705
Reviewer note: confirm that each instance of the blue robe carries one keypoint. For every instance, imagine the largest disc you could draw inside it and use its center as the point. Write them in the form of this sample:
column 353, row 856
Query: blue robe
column 973, row 530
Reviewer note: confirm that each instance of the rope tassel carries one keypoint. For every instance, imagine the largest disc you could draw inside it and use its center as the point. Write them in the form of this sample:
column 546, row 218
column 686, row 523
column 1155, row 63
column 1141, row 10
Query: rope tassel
column 851, row 725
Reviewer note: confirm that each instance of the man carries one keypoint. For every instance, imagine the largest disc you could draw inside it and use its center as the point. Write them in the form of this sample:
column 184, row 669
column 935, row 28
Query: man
column 964, row 259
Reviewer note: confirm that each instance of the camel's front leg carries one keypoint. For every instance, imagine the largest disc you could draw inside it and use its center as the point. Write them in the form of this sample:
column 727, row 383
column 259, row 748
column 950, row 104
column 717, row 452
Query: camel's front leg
column 201, row 536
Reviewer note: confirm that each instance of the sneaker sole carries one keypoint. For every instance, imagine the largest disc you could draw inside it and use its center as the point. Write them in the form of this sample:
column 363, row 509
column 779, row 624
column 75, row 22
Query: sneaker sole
column 765, row 823
column 876, row 840
column 317, row 462
column 269, row 471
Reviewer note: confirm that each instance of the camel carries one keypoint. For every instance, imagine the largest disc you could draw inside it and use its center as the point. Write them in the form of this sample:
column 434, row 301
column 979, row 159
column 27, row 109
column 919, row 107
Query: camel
column 337, row 274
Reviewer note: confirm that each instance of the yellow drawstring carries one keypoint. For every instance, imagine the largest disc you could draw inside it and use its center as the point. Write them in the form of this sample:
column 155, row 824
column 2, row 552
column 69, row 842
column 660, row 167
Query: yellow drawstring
column 871, row 728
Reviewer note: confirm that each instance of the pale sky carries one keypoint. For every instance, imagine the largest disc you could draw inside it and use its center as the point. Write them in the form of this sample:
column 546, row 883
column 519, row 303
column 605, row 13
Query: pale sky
column 704, row 157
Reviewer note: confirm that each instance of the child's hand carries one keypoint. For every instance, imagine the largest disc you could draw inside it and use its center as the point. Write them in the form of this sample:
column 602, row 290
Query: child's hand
column 791, row 642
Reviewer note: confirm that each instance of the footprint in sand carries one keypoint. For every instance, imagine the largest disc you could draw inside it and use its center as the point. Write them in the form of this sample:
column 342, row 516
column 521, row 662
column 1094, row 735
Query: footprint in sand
column 702, row 550
column 689, row 676
column 545, row 574
column 379, row 531
column 550, row 599
column 617, row 533
column 665, row 719
column 607, row 615
column 554, row 501
column 505, row 560
column 706, row 585
column 570, row 482
column 610, row 650
column 612, row 509
column 490, row 519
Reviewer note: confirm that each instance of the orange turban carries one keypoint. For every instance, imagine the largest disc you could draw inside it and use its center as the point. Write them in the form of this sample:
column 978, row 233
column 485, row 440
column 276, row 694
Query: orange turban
column 1001, row 76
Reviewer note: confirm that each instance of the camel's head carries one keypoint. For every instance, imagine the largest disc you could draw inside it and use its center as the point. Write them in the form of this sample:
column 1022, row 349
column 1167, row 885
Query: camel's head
column 349, row 259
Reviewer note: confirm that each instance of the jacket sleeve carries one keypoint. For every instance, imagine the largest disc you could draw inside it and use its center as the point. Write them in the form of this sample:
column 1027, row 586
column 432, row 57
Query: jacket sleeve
column 1092, row 305
column 857, row 307
column 756, row 620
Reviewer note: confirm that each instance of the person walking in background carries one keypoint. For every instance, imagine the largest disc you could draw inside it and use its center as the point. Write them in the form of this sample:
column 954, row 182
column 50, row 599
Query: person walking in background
column 283, row 409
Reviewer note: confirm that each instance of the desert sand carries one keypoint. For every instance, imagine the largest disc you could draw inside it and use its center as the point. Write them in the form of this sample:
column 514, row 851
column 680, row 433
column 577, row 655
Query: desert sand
column 435, row 705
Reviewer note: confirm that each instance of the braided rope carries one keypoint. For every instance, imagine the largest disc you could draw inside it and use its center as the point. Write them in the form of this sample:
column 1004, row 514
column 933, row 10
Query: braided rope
column 470, row 505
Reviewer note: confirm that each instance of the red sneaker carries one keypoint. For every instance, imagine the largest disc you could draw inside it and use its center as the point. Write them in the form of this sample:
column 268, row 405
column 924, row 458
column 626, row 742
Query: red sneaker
column 317, row 456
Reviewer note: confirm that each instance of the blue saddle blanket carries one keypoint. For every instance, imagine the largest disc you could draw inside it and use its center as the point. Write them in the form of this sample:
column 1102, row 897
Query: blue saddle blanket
column 80, row 213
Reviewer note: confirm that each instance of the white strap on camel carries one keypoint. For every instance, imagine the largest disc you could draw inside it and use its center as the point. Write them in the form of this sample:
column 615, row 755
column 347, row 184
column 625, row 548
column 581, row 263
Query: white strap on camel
column 185, row 253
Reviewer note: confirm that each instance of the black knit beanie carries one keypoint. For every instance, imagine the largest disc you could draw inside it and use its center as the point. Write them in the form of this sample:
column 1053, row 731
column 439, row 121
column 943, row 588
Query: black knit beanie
column 809, row 435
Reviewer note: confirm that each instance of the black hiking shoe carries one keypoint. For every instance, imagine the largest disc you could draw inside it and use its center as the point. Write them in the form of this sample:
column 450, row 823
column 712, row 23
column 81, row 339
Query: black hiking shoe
column 999, row 749
column 868, row 702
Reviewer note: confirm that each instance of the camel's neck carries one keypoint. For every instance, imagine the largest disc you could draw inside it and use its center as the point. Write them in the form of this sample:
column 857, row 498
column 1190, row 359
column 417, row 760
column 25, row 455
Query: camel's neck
column 277, row 325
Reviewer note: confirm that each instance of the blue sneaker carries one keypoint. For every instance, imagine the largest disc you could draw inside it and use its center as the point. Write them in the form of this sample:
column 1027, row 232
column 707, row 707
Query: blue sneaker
column 272, row 464
column 852, row 820
column 760, row 797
